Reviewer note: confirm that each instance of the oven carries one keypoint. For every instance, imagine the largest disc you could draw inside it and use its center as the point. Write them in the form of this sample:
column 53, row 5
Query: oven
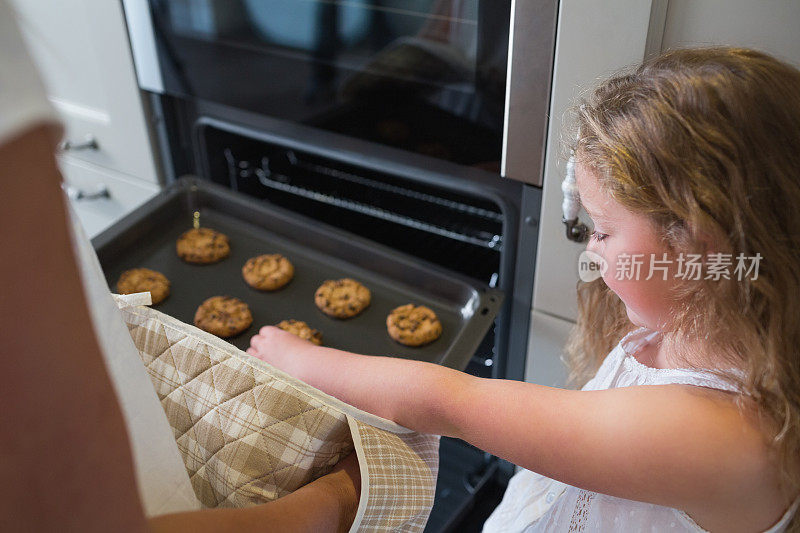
column 418, row 125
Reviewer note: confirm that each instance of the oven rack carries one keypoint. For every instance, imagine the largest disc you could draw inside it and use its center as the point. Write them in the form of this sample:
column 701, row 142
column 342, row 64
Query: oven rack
column 281, row 182
column 495, row 242
column 402, row 191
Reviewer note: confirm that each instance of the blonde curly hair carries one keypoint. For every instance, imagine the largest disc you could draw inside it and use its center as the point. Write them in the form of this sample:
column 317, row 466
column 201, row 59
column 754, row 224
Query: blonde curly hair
column 706, row 143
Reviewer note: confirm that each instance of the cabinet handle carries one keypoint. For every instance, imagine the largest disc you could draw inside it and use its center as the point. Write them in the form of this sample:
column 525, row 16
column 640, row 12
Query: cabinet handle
column 80, row 194
column 89, row 143
column 576, row 230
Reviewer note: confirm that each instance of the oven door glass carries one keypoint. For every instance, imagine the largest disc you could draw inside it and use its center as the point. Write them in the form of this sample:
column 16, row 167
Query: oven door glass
column 427, row 76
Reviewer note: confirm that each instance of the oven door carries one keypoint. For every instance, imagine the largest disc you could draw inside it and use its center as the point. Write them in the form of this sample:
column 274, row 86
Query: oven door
column 425, row 76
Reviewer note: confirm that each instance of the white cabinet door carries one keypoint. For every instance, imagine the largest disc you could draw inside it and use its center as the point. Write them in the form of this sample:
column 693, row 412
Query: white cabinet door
column 772, row 26
column 82, row 51
column 594, row 40
column 544, row 365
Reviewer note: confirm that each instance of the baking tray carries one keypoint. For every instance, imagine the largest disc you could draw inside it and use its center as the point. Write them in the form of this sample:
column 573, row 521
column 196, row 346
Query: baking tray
column 146, row 238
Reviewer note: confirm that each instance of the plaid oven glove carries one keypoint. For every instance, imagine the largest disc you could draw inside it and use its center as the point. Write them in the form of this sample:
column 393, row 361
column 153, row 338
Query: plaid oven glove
column 249, row 433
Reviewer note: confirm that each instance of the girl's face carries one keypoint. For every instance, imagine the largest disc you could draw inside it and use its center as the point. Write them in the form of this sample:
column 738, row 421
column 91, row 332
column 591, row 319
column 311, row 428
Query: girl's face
column 633, row 251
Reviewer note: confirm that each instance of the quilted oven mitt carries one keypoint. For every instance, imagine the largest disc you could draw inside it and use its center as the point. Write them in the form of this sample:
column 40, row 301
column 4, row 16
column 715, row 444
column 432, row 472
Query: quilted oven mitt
column 249, row 433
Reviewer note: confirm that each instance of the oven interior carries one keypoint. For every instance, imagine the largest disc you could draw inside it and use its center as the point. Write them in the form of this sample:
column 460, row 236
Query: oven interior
column 456, row 231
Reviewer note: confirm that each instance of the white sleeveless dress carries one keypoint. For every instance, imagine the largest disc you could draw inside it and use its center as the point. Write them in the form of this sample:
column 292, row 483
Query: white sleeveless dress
column 535, row 503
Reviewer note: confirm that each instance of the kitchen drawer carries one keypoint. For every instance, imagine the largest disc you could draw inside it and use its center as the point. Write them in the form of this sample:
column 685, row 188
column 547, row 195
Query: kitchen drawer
column 98, row 213
column 122, row 142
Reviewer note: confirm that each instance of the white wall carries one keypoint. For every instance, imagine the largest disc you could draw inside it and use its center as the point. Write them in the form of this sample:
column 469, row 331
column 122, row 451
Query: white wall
column 772, row 26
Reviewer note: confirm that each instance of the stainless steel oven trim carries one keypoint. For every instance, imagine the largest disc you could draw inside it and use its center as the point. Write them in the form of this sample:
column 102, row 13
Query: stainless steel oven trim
column 531, row 52
column 143, row 45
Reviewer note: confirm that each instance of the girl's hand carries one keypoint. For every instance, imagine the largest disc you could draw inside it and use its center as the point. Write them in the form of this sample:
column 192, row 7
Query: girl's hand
column 282, row 350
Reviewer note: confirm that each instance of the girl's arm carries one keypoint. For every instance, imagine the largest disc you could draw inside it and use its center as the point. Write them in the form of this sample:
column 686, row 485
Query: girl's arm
column 411, row 393
column 670, row 445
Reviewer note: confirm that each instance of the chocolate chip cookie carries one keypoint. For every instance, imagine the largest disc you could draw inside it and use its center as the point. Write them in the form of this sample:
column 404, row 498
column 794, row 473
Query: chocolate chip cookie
column 342, row 298
column 268, row 272
column 203, row 246
column 224, row 316
column 144, row 280
column 302, row 330
column 413, row 325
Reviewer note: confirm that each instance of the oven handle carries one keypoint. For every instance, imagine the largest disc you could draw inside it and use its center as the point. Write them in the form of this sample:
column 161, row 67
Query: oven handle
column 576, row 230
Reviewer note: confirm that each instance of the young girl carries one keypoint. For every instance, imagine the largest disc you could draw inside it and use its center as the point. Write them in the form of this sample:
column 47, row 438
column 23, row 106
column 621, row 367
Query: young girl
column 692, row 421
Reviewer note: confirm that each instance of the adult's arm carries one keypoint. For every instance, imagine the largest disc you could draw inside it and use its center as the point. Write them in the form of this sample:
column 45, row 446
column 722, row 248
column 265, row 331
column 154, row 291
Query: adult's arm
column 66, row 461
column 329, row 503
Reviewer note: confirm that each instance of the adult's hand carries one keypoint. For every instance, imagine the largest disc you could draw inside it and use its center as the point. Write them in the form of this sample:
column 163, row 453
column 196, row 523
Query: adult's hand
column 327, row 504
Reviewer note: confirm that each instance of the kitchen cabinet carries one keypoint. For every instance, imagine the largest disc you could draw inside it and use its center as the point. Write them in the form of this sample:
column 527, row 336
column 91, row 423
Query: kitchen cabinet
column 82, row 52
